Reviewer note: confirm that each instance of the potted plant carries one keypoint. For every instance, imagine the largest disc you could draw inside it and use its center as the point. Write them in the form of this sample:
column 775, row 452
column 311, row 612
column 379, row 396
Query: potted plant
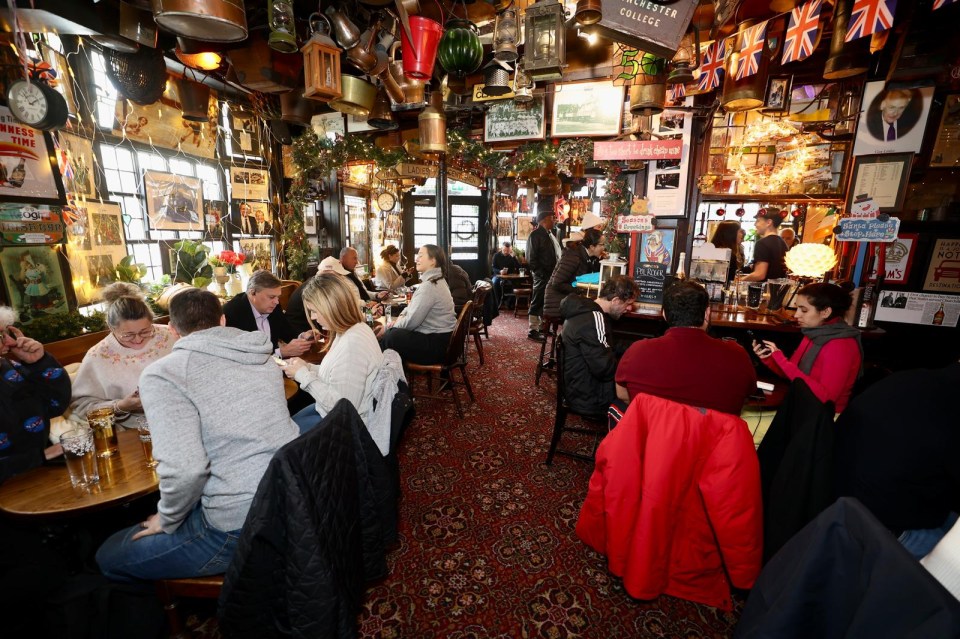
column 192, row 265
column 129, row 271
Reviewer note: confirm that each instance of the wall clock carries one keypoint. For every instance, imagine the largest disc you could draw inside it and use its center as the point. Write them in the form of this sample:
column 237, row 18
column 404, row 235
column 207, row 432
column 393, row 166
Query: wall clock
column 386, row 201
column 37, row 105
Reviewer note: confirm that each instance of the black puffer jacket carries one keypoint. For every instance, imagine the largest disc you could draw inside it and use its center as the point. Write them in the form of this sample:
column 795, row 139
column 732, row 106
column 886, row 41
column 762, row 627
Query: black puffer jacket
column 574, row 261
column 312, row 534
column 589, row 365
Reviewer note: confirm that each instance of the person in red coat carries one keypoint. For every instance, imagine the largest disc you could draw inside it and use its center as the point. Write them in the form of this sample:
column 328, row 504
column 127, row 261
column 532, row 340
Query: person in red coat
column 674, row 503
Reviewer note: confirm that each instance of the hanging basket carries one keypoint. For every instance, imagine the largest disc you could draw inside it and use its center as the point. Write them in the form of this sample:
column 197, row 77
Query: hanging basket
column 141, row 77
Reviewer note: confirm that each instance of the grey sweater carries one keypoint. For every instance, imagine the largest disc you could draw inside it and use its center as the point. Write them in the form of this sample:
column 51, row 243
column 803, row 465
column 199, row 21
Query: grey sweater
column 217, row 414
column 431, row 309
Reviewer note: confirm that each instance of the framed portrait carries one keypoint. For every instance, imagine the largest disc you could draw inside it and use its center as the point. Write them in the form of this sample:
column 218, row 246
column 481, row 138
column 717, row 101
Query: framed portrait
column 245, row 134
column 215, row 218
column 506, row 121
column 524, row 227
column 249, row 184
column 587, row 109
column 882, row 177
column 22, row 224
column 259, row 249
column 25, row 164
column 76, row 164
column 777, row 100
column 95, row 247
column 892, row 120
column 174, row 202
column 946, row 147
column 34, row 281
column 251, row 218
column 656, row 247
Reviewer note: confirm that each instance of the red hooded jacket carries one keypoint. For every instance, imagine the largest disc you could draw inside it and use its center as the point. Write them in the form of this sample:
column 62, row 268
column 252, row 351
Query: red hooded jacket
column 674, row 503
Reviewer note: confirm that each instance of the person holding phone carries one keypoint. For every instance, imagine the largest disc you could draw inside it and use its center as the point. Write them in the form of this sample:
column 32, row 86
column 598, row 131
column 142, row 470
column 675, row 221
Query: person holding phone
column 830, row 356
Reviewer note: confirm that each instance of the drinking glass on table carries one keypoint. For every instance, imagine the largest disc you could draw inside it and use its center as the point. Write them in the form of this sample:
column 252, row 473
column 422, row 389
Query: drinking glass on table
column 79, row 452
column 146, row 441
column 102, row 423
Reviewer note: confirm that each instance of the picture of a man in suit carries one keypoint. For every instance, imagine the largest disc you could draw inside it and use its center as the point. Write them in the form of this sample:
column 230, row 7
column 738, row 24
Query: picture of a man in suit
column 262, row 226
column 246, row 219
column 893, row 113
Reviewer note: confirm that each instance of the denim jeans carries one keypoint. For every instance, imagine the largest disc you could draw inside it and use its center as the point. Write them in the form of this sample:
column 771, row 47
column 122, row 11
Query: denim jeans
column 194, row 549
column 920, row 542
column 307, row 418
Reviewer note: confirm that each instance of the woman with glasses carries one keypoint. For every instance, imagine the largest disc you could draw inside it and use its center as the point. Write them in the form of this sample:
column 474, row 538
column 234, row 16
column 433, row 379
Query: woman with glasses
column 110, row 372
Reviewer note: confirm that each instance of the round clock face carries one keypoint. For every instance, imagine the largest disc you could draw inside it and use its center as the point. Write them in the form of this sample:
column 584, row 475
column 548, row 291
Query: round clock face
column 28, row 102
column 386, row 201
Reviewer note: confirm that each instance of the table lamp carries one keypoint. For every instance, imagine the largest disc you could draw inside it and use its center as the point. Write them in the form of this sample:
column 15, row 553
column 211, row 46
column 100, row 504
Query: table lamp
column 809, row 262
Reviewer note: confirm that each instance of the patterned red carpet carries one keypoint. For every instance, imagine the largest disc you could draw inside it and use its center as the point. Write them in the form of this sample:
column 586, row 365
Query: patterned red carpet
column 487, row 546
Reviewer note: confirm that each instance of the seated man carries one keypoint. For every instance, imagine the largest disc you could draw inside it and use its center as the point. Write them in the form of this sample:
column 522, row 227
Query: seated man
column 349, row 260
column 686, row 365
column 897, row 451
column 213, row 442
column 259, row 310
column 504, row 262
column 589, row 362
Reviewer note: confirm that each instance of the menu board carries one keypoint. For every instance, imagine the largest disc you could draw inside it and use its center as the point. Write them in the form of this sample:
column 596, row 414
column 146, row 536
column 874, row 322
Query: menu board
column 650, row 278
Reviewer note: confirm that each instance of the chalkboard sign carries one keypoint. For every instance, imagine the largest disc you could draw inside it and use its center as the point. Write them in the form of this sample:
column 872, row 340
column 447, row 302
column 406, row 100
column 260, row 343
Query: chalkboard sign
column 651, row 278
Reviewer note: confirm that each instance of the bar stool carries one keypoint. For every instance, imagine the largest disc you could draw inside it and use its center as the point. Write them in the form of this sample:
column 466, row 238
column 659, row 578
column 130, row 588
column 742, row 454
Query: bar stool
column 522, row 294
column 550, row 327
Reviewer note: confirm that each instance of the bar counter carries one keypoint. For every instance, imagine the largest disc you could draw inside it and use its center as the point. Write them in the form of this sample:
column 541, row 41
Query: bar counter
column 724, row 320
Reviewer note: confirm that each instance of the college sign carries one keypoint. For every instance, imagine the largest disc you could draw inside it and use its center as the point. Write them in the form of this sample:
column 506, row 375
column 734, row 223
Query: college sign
column 654, row 27
column 638, row 150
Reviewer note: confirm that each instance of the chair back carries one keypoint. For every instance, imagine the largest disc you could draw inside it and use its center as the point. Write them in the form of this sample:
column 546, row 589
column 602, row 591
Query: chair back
column 480, row 291
column 458, row 339
column 286, row 290
column 561, row 381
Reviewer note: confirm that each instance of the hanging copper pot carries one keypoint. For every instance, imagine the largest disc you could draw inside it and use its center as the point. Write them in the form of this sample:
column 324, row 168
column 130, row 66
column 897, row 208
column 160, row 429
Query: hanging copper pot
column 358, row 96
column 846, row 59
column 433, row 126
column 381, row 116
column 194, row 100
column 413, row 90
column 648, row 99
column 209, row 20
column 749, row 92
column 295, row 108
column 589, row 12
column 345, row 31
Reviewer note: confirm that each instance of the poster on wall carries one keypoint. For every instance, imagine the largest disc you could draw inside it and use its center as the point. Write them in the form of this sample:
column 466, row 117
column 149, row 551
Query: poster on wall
column 95, row 254
column 163, row 126
column 892, row 120
column 667, row 178
column 25, row 170
column 505, row 121
column 249, row 184
column 943, row 273
column 174, row 202
column 657, row 247
column 22, row 224
column 258, row 250
column 245, row 133
column 930, row 309
column 946, row 148
column 215, row 216
column 251, row 218
column 524, row 227
column 34, row 281
column 899, row 258
column 75, row 155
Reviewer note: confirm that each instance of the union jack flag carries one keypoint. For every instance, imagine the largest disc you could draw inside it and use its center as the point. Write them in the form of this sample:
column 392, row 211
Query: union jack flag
column 802, row 32
column 711, row 66
column 677, row 93
column 869, row 17
column 941, row 3
column 754, row 40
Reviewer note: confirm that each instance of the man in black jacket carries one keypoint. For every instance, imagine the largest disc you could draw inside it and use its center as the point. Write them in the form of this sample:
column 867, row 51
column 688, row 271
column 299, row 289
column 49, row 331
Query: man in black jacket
column 504, row 262
column 349, row 260
column 543, row 251
column 590, row 364
column 258, row 309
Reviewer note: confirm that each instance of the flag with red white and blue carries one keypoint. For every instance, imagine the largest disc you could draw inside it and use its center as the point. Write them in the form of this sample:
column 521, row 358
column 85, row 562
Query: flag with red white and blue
column 754, row 41
column 711, row 66
column 869, row 17
column 801, row 37
column 938, row 4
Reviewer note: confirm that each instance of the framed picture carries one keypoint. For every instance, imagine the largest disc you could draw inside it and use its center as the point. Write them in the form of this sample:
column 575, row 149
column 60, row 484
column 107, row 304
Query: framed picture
column 245, row 134
column 310, row 219
column 34, row 281
column 899, row 258
column 892, row 120
column 251, row 218
column 163, row 126
column 777, row 101
column 76, row 164
column 524, row 227
column 505, row 121
column 656, row 247
column 64, row 81
column 215, row 217
column 667, row 179
column 882, row 177
column 943, row 272
column 586, row 109
column 259, row 250
column 946, row 147
column 95, row 247
column 249, row 184
column 22, row 224
column 25, row 163
column 174, row 202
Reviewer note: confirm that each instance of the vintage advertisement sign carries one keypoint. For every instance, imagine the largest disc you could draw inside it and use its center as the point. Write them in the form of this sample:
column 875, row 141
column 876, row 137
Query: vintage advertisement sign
column 24, row 161
column 650, row 278
column 867, row 230
column 22, row 224
column 163, row 126
column 638, row 150
column 654, row 27
column 943, row 273
column 928, row 309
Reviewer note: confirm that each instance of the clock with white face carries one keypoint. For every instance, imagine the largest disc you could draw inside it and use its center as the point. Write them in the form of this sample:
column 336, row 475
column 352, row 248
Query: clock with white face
column 37, row 105
column 386, row 201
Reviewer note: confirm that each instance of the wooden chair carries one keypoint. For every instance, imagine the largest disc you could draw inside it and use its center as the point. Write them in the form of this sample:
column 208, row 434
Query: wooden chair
column 524, row 294
column 563, row 408
column 455, row 359
column 548, row 359
column 287, row 287
column 480, row 291
column 194, row 587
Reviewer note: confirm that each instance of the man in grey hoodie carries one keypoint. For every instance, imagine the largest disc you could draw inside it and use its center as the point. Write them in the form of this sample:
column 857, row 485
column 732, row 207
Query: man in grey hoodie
column 213, row 442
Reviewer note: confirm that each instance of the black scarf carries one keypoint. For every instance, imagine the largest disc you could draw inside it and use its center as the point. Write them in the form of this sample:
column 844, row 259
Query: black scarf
column 820, row 335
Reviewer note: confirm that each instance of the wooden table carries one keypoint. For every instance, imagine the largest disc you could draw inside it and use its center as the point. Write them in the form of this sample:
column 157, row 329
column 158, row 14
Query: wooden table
column 46, row 491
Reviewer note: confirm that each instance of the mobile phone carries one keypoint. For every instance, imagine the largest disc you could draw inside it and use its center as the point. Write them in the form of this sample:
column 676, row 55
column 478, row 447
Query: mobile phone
column 280, row 361
column 752, row 336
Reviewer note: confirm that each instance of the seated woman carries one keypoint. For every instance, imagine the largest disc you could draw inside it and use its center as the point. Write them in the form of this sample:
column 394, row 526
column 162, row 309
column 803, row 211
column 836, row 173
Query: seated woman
column 421, row 334
column 574, row 261
column 830, row 356
column 388, row 275
column 33, row 389
column 110, row 372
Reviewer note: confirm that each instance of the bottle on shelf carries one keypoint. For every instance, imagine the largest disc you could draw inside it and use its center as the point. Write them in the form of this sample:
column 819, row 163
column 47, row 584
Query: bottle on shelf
column 681, row 269
column 938, row 316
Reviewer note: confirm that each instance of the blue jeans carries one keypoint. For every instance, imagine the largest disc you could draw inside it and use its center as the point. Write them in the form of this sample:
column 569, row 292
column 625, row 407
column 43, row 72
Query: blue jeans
column 307, row 418
column 920, row 542
column 194, row 549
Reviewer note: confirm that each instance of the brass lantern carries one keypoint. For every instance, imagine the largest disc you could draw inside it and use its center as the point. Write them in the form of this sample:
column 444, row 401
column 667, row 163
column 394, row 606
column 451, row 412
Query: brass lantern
column 433, row 125
column 686, row 59
column 283, row 34
column 522, row 86
column 505, row 35
column 321, row 64
column 545, row 52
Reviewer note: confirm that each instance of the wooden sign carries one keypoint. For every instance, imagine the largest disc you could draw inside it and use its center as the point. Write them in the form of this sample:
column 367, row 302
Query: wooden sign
column 638, row 150
column 650, row 26
column 465, row 177
column 480, row 96
column 414, row 170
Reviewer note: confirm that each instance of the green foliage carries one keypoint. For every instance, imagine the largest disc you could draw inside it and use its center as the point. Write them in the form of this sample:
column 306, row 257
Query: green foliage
column 192, row 266
column 294, row 242
column 572, row 151
column 51, row 328
column 534, row 156
column 129, row 271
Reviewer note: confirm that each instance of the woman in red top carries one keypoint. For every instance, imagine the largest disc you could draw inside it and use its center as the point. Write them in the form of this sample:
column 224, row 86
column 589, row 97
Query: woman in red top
column 830, row 356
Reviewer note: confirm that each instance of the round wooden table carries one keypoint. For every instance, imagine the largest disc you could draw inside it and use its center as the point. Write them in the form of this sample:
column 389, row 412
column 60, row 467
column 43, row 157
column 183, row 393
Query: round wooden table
column 46, row 491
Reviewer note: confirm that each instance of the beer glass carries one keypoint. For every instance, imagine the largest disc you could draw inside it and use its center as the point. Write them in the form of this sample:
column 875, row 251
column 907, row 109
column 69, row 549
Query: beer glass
column 79, row 452
column 146, row 441
column 101, row 422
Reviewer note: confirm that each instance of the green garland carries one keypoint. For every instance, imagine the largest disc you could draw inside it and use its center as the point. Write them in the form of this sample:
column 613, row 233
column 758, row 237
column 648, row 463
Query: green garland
column 293, row 240
column 616, row 201
column 573, row 151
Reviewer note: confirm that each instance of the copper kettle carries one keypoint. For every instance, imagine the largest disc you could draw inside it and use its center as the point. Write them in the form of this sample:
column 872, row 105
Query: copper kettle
column 412, row 90
column 363, row 55
column 345, row 31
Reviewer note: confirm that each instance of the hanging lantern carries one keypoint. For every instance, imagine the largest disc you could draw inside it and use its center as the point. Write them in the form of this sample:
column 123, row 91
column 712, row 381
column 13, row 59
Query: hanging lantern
column 686, row 59
column 522, row 86
column 545, row 52
column 505, row 35
column 846, row 59
column 283, row 34
column 460, row 51
column 198, row 55
column 588, row 12
column 433, row 126
column 748, row 92
column 381, row 117
column 194, row 100
column 496, row 78
column 321, row 63
column 649, row 94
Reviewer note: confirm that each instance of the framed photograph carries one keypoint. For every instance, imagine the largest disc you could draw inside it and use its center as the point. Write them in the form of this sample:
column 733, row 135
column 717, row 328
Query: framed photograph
column 946, row 147
column 892, row 120
column 777, row 101
column 76, row 164
column 251, row 218
column 882, row 177
column 174, row 202
column 22, row 224
column 163, row 126
column 249, row 184
column 25, row 163
column 245, row 133
column 310, row 219
column 64, row 83
column 587, row 109
column 34, row 281
column 259, row 249
column 215, row 217
column 943, row 272
column 666, row 185
column 95, row 247
column 524, row 227
column 506, row 121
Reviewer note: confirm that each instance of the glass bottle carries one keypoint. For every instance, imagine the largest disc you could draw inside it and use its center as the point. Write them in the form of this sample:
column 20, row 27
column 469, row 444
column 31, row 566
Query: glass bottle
column 938, row 316
column 18, row 175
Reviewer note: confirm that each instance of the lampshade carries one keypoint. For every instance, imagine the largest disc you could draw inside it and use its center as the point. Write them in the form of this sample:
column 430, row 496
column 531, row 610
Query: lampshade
column 810, row 260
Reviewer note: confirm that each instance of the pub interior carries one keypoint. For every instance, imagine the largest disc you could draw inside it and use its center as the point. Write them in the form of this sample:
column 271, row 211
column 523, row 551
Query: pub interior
column 479, row 318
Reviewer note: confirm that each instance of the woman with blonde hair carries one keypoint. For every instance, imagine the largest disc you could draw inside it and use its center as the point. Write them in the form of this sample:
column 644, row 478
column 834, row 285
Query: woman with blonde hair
column 110, row 372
